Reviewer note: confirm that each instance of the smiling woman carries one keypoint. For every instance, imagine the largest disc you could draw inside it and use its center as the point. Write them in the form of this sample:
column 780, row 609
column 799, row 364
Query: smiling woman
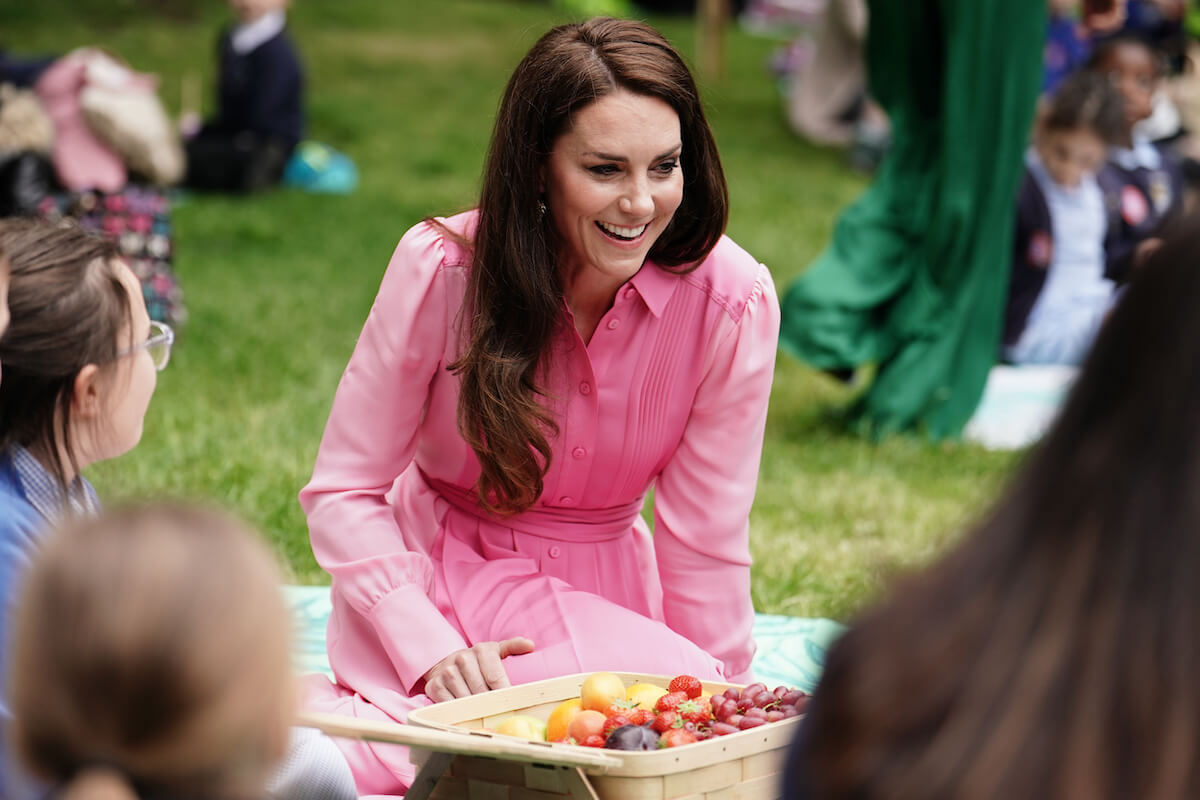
column 528, row 372
column 614, row 184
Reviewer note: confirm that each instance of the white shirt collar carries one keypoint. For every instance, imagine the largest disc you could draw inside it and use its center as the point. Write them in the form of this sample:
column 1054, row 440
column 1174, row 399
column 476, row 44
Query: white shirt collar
column 250, row 35
column 1143, row 154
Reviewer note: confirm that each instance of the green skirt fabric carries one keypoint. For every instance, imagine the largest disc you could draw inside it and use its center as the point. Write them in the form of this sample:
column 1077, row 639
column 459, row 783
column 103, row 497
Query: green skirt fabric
column 915, row 278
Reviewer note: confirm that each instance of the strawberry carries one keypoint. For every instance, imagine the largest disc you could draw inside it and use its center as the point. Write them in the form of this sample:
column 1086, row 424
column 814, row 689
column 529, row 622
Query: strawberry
column 640, row 716
column 614, row 722
column 688, row 685
column 669, row 701
column 693, row 711
column 594, row 740
column 666, row 720
column 676, row 737
column 621, row 707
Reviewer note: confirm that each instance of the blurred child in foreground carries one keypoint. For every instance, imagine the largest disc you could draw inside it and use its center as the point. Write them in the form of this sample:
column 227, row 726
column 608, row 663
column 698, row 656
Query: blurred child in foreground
column 1051, row 654
column 151, row 659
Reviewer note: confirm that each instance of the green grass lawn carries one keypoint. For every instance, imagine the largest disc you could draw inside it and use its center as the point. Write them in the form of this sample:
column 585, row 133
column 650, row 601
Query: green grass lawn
column 278, row 285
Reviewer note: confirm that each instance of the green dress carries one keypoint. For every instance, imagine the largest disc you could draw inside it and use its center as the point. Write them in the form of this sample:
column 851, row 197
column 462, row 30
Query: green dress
column 916, row 275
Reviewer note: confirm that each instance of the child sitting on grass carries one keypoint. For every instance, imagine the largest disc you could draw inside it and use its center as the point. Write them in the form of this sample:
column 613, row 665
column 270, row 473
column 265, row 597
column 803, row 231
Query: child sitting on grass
column 150, row 658
column 1143, row 181
column 260, row 104
column 1058, row 294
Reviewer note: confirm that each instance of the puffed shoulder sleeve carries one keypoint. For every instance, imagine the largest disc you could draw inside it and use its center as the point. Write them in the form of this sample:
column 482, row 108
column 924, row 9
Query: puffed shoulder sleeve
column 703, row 495
column 369, row 440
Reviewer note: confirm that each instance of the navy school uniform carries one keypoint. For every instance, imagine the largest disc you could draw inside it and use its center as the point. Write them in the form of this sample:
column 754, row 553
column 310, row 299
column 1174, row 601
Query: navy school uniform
column 259, row 119
column 1033, row 246
column 1143, row 189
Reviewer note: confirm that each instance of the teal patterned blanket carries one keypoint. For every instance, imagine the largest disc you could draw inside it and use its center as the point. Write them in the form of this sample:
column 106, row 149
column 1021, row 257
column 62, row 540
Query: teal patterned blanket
column 791, row 650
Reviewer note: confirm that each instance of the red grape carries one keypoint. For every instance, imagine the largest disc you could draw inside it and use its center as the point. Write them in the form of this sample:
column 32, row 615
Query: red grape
column 724, row 728
column 751, row 722
column 774, row 716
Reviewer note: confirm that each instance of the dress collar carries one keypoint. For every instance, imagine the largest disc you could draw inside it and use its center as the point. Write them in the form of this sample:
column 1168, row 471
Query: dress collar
column 655, row 286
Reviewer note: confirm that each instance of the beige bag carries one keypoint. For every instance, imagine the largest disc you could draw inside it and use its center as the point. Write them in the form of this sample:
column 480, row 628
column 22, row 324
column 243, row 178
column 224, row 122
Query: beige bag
column 24, row 124
column 122, row 108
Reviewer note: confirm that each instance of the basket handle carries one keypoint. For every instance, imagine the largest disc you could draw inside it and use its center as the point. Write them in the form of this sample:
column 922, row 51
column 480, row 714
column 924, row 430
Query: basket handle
column 463, row 742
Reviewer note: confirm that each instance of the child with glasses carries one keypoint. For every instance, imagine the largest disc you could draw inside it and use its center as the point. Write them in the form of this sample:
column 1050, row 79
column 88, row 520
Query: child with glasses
column 80, row 363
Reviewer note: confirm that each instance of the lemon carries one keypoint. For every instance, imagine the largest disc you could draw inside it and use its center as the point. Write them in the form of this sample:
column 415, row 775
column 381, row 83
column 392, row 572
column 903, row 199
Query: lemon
column 644, row 694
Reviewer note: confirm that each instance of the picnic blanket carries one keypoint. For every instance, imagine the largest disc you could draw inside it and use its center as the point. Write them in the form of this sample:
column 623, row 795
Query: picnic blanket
column 1018, row 405
column 791, row 650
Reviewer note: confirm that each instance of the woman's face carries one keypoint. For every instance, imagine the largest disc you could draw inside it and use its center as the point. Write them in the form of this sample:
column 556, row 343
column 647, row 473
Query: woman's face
column 612, row 184
column 130, row 383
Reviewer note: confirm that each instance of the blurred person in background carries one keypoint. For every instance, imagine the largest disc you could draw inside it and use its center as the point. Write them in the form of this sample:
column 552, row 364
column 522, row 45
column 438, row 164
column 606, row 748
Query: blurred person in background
column 915, row 278
column 260, row 104
column 828, row 101
column 1059, row 292
column 1143, row 180
column 1072, row 30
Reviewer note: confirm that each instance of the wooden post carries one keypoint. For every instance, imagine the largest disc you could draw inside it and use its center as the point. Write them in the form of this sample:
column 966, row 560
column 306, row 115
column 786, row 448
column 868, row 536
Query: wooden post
column 710, row 44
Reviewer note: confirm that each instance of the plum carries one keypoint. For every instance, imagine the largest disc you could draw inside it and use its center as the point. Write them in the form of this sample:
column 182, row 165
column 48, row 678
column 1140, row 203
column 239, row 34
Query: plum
column 632, row 737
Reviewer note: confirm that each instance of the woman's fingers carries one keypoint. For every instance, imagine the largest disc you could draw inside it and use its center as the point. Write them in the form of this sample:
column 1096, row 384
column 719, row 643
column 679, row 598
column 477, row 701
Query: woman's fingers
column 489, row 665
column 515, row 647
column 473, row 668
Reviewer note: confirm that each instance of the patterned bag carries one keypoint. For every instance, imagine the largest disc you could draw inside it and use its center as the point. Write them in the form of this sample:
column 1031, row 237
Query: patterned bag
column 138, row 219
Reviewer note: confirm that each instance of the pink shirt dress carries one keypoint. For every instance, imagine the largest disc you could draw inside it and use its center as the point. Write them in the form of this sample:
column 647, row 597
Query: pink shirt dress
column 670, row 394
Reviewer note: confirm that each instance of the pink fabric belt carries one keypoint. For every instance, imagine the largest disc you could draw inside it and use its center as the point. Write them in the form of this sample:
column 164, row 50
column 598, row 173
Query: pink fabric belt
column 561, row 524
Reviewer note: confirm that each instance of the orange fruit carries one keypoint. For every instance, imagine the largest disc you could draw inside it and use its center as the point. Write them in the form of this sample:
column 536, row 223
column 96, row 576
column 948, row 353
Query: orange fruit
column 600, row 690
column 560, row 718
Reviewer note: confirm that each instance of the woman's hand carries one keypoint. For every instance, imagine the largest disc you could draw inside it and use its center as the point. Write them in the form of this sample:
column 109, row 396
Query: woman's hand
column 474, row 670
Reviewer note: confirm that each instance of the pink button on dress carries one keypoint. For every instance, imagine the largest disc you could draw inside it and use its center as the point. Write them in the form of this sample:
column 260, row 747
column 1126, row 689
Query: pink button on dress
column 670, row 393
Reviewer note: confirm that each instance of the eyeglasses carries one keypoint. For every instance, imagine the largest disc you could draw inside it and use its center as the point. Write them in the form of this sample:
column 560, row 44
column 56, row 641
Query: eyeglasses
column 158, row 345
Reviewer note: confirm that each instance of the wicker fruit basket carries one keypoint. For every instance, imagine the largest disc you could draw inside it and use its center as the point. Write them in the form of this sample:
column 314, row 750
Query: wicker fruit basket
column 457, row 760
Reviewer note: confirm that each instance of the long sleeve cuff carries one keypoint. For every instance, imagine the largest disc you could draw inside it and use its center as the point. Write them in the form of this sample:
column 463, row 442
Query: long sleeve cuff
column 414, row 633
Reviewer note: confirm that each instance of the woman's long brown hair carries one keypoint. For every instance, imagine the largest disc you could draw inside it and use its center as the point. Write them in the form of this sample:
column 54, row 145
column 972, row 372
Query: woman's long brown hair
column 515, row 291
column 1054, row 653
